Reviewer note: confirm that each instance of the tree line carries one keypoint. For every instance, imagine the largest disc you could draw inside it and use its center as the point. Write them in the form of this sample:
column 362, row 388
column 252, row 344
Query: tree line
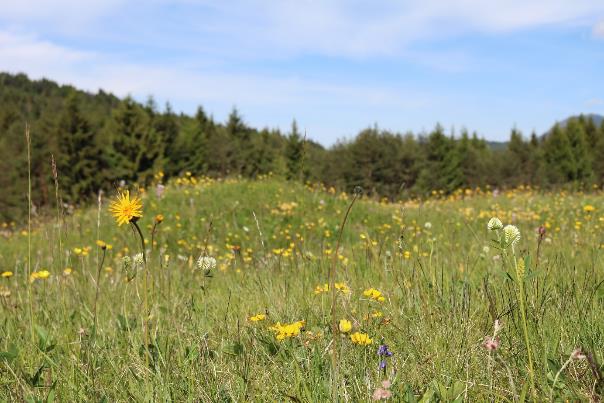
column 98, row 140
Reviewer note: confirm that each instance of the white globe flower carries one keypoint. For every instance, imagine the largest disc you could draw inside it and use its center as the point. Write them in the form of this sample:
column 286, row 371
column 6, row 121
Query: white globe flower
column 206, row 263
column 494, row 224
column 138, row 259
column 511, row 234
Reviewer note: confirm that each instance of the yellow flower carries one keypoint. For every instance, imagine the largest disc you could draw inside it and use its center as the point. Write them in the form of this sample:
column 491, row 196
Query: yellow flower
column 159, row 218
column 257, row 318
column 361, row 338
column 287, row 330
column 321, row 288
column 6, row 274
column 342, row 287
column 41, row 275
column 374, row 294
column 588, row 208
column 345, row 326
column 101, row 244
column 67, row 271
column 126, row 210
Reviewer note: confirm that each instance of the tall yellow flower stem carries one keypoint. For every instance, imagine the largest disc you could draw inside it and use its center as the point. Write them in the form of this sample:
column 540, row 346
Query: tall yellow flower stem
column 334, row 318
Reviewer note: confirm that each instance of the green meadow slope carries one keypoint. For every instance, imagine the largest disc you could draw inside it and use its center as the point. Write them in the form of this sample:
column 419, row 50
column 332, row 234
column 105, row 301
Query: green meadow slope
column 427, row 279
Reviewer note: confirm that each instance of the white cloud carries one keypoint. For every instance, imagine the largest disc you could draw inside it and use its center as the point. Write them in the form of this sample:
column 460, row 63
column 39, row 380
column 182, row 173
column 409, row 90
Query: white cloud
column 354, row 28
column 187, row 88
column 345, row 28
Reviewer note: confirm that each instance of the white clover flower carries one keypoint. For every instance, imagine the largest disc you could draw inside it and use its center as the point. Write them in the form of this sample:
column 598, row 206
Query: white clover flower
column 511, row 234
column 494, row 224
column 206, row 263
column 428, row 225
column 138, row 259
column 486, row 250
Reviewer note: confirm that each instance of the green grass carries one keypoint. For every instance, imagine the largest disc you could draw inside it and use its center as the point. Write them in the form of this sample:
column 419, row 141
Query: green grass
column 442, row 293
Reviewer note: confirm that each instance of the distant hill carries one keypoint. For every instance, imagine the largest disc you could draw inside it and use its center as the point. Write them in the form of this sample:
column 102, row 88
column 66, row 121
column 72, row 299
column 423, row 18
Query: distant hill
column 497, row 145
column 597, row 119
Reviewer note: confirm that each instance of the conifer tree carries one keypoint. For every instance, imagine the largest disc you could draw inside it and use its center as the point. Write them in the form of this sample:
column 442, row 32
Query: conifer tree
column 294, row 153
column 559, row 157
column 580, row 149
column 80, row 161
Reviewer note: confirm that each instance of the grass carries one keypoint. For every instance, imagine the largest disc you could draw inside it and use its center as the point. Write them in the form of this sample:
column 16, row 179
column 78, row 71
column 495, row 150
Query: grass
column 443, row 279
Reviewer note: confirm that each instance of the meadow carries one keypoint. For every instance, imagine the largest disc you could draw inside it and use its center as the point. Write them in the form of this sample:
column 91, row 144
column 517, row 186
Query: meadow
column 246, row 292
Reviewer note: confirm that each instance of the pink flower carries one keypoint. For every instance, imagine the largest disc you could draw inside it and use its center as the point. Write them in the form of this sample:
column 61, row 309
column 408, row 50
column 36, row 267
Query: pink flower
column 381, row 394
column 578, row 354
column 491, row 343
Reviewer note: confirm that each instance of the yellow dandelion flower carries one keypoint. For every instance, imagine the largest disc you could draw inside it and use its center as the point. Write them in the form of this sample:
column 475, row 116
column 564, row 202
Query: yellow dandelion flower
column 67, row 271
column 39, row 275
column 257, row 318
column 361, row 339
column 6, row 274
column 126, row 210
column 345, row 326
column 588, row 208
column 159, row 218
column 374, row 294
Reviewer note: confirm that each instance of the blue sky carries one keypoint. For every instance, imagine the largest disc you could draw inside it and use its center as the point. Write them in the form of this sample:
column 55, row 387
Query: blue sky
column 336, row 66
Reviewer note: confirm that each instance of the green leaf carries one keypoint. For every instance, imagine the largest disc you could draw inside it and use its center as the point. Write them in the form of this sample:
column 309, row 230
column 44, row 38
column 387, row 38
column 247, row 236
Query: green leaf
column 10, row 354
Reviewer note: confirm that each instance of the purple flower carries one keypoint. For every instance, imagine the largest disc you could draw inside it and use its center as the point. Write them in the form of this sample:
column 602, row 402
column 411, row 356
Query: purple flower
column 383, row 351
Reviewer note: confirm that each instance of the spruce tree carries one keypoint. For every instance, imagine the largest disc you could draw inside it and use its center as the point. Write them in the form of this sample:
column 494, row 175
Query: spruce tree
column 581, row 151
column 80, row 161
column 559, row 157
column 294, row 153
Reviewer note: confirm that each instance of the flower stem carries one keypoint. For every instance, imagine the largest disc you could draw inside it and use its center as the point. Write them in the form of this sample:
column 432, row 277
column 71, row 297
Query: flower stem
column 98, row 286
column 524, row 323
column 334, row 319
column 145, row 294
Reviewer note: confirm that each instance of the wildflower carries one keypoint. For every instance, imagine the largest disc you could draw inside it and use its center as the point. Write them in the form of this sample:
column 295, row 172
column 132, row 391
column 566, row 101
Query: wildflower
column 138, row 259
column 382, row 393
column 6, row 274
column 342, row 287
column 159, row 218
column 126, row 210
column 101, row 244
column 206, row 263
column 362, row 339
column 520, row 269
column 511, row 235
column 383, row 352
column 288, row 330
column 428, row 225
column 578, row 354
column 491, row 343
column 588, row 208
column 257, row 318
column 345, row 326
column 41, row 275
column 494, row 224
column 67, row 271
column 374, row 294
column 159, row 190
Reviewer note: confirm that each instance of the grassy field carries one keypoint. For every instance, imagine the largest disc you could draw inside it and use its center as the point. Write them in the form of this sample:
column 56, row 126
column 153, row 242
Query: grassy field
column 429, row 280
